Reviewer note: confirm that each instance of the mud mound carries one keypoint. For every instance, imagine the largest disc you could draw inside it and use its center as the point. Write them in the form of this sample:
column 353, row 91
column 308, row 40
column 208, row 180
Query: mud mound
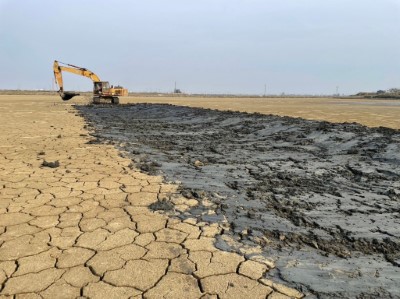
column 324, row 197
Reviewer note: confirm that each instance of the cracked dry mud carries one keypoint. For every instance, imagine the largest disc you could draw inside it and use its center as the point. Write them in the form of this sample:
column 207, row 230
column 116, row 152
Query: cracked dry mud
column 320, row 200
column 83, row 229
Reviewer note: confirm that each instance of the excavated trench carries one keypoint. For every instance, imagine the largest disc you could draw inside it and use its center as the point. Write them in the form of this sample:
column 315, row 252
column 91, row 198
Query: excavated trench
column 322, row 198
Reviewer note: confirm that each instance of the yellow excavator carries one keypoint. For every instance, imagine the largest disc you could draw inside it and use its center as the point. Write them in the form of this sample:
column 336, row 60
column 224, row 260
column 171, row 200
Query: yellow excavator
column 101, row 89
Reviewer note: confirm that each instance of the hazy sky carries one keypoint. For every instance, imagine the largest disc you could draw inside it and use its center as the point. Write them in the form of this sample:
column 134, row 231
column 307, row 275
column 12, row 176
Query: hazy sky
column 207, row 46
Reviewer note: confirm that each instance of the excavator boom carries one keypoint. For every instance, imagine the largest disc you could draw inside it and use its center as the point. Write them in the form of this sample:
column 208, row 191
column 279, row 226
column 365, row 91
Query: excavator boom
column 74, row 70
column 58, row 69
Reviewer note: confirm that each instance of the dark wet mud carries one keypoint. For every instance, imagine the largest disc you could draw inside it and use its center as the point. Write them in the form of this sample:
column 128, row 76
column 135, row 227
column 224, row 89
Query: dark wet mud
column 322, row 198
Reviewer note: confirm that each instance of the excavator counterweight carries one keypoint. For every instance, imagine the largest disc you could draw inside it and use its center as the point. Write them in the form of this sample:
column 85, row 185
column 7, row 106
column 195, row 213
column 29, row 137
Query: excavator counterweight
column 101, row 89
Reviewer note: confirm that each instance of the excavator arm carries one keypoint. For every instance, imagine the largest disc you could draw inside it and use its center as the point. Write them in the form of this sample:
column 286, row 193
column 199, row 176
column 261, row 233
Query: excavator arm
column 58, row 69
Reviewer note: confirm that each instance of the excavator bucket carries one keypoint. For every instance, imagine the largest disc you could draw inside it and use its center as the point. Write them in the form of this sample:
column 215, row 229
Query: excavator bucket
column 68, row 95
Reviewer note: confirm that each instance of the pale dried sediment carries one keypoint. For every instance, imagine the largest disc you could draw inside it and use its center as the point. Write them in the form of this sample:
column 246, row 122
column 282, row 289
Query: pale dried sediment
column 84, row 227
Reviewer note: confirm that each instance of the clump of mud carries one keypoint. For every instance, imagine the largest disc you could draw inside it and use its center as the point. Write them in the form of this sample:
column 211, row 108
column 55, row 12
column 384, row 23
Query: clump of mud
column 162, row 205
column 323, row 198
column 54, row 164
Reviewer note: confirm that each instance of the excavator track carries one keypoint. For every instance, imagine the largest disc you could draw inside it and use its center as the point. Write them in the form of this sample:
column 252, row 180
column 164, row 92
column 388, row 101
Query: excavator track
column 114, row 100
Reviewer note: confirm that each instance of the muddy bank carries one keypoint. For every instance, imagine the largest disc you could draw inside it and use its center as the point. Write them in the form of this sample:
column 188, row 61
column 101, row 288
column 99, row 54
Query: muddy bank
column 323, row 198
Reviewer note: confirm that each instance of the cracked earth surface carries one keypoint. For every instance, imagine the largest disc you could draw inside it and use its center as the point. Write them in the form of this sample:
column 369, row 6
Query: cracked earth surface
column 81, row 228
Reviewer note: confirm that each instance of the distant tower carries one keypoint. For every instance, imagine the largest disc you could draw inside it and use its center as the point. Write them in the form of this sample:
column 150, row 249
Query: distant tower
column 176, row 90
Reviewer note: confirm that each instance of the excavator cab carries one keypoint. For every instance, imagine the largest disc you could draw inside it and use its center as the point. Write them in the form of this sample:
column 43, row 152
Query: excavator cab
column 101, row 88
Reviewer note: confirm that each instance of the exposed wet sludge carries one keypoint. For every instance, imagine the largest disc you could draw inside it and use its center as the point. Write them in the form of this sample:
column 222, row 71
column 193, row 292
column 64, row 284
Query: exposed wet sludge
column 321, row 199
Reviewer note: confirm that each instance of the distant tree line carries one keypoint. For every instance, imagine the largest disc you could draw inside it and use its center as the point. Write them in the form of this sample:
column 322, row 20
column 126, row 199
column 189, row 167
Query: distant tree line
column 393, row 93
